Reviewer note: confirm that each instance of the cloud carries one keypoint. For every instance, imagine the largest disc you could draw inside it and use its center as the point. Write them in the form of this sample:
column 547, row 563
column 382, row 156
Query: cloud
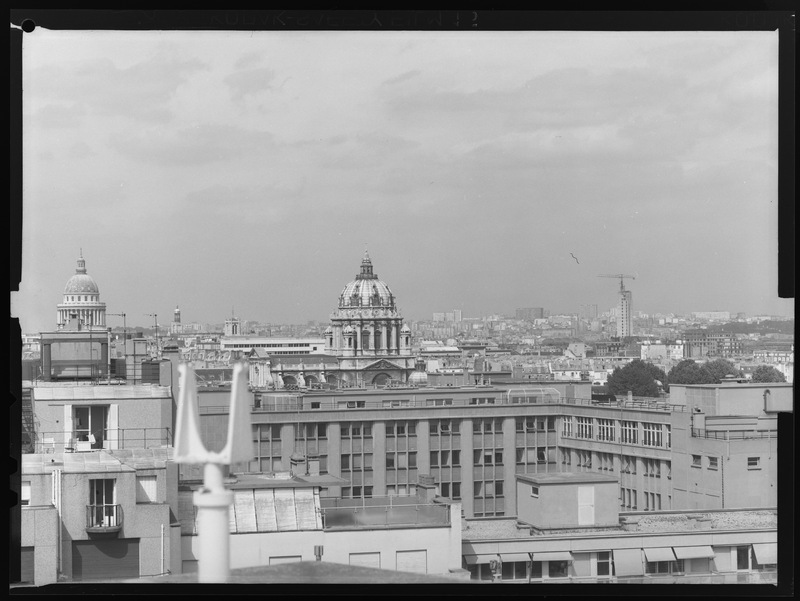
column 198, row 145
column 99, row 87
column 251, row 82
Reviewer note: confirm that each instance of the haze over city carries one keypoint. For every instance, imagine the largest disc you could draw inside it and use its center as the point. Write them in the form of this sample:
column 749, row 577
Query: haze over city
column 247, row 172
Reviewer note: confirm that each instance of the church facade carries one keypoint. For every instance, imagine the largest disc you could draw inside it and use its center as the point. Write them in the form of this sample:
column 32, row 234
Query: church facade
column 366, row 344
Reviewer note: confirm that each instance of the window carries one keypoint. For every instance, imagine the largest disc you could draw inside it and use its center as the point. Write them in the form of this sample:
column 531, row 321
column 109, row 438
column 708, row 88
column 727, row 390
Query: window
column 605, row 564
column 535, row 492
column 566, row 457
column 443, row 426
column 558, row 569
column 628, row 464
column 356, row 430
column 102, row 503
column 664, row 567
column 753, row 463
column 394, row 429
column 652, row 467
column 566, row 425
column 515, row 570
column 651, row 435
column 439, row 402
column 89, row 425
column 628, row 432
column 605, row 430
column 584, row 427
column 697, row 461
column 25, row 493
column 713, row 463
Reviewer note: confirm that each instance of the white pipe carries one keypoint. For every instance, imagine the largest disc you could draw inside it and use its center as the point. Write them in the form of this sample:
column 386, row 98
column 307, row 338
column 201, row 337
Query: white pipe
column 162, row 549
column 213, row 503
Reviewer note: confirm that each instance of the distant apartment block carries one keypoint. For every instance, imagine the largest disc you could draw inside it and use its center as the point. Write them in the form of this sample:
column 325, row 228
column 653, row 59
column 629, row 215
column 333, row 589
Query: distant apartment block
column 705, row 343
column 530, row 313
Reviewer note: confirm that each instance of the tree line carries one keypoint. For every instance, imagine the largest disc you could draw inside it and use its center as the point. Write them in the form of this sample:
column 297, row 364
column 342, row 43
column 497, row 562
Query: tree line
column 642, row 378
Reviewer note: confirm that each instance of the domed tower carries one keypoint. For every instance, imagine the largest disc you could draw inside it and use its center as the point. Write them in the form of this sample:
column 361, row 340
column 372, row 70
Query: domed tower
column 82, row 300
column 367, row 325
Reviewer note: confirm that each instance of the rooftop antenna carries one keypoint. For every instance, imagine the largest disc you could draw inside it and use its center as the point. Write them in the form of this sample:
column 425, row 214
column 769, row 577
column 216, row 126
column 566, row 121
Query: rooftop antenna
column 213, row 500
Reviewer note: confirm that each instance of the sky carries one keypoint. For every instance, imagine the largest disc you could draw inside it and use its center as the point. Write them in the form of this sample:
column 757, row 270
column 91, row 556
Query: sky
column 245, row 173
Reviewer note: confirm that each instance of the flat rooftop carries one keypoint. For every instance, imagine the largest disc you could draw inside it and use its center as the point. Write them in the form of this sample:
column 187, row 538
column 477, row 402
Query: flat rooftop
column 566, row 478
column 630, row 523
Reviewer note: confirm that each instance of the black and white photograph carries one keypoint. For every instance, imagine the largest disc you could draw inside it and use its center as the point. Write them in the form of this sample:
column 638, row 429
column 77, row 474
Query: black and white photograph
column 403, row 298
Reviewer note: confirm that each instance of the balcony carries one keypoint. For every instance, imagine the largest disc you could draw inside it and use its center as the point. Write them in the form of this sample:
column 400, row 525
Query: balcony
column 103, row 519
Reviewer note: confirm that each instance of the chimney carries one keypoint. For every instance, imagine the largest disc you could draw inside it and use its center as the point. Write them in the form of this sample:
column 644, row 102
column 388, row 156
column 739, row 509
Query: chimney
column 313, row 465
column 426, row 489
column 298, row 464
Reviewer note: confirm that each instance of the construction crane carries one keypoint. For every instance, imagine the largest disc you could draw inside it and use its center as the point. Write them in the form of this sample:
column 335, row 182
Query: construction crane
column 621, row 277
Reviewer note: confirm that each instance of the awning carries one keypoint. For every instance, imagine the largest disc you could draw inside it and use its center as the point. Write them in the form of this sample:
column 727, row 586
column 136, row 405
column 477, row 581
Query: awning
column 553, row 556
column 659, row 554
column 693, row 552
column 479, row 559
column 628, row 562
column 766, row 552
column 508, row 557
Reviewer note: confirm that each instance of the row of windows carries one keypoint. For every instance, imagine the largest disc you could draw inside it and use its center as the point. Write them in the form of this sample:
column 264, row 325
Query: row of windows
column 445, row 458
column 401, row 429
column 536, row 424
column 487, row 426
column 401, row 460
column 489, row 489
column 753, row 463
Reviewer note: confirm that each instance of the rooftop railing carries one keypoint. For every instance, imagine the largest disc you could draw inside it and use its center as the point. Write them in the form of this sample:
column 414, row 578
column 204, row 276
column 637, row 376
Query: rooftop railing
column 110, row 439
column 733, row 434
column 315, row 403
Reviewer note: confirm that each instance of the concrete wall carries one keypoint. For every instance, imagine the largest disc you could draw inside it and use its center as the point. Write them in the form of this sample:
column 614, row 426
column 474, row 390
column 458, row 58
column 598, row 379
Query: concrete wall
column 443, row 546
column 557, row 504
column 39, row 527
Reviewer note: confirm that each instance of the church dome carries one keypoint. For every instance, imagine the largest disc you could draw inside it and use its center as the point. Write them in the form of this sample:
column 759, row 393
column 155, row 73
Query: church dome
column 366, row 290
column 81, row 282
column 418, row 378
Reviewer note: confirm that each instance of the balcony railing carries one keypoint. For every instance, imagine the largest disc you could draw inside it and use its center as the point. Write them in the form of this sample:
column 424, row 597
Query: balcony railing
column 384, row 516
column 733, row 434
column 101, row 519
column 121, row 438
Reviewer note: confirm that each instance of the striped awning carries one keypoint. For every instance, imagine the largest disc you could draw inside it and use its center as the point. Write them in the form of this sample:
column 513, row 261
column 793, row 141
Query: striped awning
column 628, row 562
column 693, row 552
column 553, row 556
column 766, row 552
column 479, row 559
column 659, row 554
column 509, row 557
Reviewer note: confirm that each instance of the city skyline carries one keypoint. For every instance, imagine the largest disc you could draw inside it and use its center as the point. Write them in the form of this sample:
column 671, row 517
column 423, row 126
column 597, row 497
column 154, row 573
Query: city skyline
column 483, row 171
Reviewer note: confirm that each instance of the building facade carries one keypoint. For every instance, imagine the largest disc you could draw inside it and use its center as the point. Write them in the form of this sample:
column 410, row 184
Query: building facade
column 475, row 440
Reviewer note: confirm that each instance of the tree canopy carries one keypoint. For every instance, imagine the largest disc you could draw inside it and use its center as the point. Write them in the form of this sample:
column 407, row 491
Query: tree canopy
column 719, row 368
column 767, row 373
column 689, row 372
column 638, row 377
